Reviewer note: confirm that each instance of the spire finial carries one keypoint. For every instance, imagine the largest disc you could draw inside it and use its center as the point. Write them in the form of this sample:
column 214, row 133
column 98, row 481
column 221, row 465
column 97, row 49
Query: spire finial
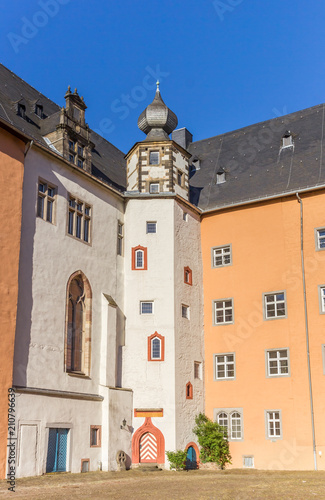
column 158, row 83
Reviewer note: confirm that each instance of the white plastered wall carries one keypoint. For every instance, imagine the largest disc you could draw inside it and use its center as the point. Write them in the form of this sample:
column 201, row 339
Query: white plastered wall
column 49, row 256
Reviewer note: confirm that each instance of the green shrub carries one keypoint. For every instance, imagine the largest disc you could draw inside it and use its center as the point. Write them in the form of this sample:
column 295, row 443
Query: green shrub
column 177, row 459
column 213, row 440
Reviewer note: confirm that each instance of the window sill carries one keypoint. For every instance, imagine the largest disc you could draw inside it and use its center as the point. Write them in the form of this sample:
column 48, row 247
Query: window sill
column 78, row 374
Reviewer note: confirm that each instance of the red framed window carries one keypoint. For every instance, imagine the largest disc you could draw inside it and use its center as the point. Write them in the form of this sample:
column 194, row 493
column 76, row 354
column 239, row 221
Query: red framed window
column 139, row 258
column 156, row 347
column 189, row 390
column 187, row 275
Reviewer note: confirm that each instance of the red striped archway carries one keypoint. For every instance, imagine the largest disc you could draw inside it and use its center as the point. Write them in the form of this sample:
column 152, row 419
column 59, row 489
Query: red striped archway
column 153, row 442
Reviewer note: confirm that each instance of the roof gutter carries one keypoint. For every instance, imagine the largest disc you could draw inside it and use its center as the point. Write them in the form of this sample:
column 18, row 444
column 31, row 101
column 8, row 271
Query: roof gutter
column 263, row 198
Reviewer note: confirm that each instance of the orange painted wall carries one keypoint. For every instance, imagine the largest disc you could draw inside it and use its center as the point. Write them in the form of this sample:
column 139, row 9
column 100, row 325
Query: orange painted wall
column 265, row 240
column 11, row 181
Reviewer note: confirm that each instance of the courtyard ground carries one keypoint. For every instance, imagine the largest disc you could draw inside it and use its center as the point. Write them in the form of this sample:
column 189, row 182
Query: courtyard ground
column 169, row 485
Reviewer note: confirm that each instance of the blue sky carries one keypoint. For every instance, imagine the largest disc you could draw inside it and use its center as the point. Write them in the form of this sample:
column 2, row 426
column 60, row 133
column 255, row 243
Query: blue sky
column 222, row 64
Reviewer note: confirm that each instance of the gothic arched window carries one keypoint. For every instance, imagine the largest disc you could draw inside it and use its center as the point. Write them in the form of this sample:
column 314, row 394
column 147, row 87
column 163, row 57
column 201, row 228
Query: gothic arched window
column 78, row 325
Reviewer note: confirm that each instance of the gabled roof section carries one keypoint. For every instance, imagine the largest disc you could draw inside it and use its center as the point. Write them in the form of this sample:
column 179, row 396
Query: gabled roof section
column 256, row 164
column 108, row 163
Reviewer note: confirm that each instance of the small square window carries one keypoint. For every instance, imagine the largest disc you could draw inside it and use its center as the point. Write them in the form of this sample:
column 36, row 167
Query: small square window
column 277, row 362
column 275, row 305
column 223, row 311
column 151, row 227
column 224, row 366
column 154, row 188
column 85, row 465
column 320, row 239
column 146, row 307
column 273, row 424
column 198, row 370
column 95, row 436
column 248, row 461
column 221, row 256
column 154, row 158
column 185, row 312
column 180, row 178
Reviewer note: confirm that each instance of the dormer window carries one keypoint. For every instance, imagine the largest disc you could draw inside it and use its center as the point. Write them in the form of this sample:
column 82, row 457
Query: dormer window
column 196, row 164
column 221, row 176
column 39, row 110
column 21, row 111
column 154, row 158
column 287, row 140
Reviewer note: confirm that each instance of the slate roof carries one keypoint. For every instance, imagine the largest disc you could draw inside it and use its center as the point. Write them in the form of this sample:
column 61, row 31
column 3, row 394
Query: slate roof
column 108, row 163
column 252, row 159
column 254, row 163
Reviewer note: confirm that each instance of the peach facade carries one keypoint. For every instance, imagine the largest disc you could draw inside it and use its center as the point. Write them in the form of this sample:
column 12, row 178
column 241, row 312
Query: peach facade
column 11, row 181
column 265, row 240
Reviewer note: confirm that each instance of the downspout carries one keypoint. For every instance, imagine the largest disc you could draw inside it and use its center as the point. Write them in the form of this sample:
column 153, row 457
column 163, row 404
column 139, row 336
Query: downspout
column 307, row 330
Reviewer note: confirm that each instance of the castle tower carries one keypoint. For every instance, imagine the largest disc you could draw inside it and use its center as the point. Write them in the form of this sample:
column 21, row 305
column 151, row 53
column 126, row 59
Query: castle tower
column 163, row 354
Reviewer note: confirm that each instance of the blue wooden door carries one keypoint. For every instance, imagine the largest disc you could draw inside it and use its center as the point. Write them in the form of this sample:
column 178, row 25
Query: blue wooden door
column 191, row 462
column 57, row 450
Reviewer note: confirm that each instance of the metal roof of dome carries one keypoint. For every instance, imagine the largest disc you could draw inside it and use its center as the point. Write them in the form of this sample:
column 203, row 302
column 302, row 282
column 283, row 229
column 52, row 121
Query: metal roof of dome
column 157, row 120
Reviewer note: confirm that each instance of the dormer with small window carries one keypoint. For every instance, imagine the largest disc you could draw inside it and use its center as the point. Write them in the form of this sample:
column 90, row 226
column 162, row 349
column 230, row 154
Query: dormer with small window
column 287, row 140
column 158, row 165
column 221, row 176
column 72, row 135
column 38, row 110
column 21, row 108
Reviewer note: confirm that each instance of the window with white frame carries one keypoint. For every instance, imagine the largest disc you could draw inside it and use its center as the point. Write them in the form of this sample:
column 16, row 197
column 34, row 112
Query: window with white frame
column 248, row 461
column 46, row 201
column 79, row 217
column 273, row 424
column 222, row 419
column 146, row 307
column 154, row 187
column 221, row 256
column 119, row 238
column 231, row 419
column 223, row 311
column 155, row 348
column 139, row 259
column 320, row 239
column 322, row 299
column 151, row 227
column 274, row 305
column 224, row 366
column 277, row 362
column 198, row 370
column 154, row 158
column 185, row 312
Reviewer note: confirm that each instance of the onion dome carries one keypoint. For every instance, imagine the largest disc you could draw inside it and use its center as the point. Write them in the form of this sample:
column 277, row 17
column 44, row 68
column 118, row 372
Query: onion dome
column 157, row 120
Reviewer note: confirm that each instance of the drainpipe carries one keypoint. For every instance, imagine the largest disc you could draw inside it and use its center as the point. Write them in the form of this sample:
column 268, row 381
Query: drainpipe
column 307, row 330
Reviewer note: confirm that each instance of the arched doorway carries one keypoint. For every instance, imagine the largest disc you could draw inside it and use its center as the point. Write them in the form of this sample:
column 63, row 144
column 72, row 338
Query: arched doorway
column 148, row 448
column 193, row 456
column 148, row 444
